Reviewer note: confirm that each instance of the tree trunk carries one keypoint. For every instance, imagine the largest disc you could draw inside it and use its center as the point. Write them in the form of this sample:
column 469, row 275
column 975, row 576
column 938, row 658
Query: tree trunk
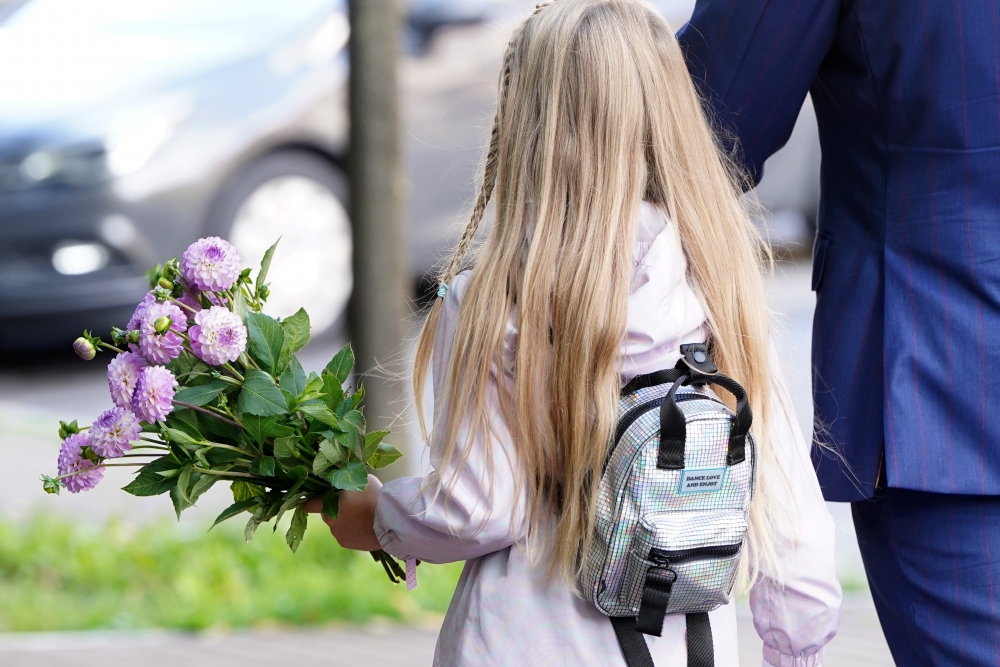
column 381, row 276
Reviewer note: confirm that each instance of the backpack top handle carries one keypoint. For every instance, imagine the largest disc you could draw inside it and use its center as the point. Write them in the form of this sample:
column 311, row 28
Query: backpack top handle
column 696, row 368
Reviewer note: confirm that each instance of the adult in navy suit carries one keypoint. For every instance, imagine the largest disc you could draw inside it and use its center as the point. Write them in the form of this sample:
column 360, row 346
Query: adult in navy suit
column 906, row 340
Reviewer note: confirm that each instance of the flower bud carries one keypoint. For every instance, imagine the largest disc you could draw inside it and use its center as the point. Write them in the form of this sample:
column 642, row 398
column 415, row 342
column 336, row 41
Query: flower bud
column 84, row 348
column 133, row 337
column 265, row 291
column 118, row 336
column 161, row 324
column 66, row 430
column 171, row 269
column 165, row 284
column 52, row 484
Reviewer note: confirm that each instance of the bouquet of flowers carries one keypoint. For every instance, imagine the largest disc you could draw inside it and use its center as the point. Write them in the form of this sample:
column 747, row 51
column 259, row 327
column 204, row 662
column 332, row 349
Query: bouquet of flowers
column 207, row 389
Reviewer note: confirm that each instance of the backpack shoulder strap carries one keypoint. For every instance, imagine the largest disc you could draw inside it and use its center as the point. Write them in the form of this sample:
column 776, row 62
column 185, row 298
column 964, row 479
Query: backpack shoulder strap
column 700, row 650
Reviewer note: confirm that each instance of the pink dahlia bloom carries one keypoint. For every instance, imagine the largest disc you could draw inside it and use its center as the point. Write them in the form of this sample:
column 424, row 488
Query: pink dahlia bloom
column 136, row 321
column 154, row 393
column 218, row 336
column 111, row 434
column 160, row 348
column 211, row 264
column 71, row 460
column 123, row 373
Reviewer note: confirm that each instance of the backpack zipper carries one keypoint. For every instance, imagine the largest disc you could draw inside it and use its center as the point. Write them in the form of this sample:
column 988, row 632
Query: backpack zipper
column 666, row 559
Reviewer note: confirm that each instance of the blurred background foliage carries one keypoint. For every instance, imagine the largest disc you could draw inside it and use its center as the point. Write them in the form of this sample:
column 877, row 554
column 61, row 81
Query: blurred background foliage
column 58, row 574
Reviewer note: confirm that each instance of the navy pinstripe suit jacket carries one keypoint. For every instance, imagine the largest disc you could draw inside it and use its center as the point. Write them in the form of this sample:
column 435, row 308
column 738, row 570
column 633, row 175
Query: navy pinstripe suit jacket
column 906, row 340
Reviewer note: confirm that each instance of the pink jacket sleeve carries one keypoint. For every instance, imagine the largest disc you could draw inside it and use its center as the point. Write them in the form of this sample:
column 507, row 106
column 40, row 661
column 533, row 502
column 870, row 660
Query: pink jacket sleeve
column 479, row 514
column 798, row 619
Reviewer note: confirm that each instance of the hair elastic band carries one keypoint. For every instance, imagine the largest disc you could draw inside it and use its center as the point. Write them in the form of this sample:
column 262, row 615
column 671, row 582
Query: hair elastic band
column 442, row 290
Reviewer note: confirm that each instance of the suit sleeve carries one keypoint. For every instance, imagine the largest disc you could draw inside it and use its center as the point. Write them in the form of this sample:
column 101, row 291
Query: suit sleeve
column 754, row 61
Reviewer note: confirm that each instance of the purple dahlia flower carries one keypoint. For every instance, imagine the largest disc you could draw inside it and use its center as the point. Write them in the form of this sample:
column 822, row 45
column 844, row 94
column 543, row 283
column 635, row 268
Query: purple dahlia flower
column 136, row 321
column 71, row 460
column 211, row 264
column 166, row 344
column 123, row 373
column 111, row 433
column 154, row 393
column 218, row 336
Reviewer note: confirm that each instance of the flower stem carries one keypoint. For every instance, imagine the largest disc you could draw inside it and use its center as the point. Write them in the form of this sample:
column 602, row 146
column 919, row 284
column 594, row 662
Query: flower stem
column 182, row 305
column 110, row 347
column 230, row 473
column 229, row 367
column 207, row 412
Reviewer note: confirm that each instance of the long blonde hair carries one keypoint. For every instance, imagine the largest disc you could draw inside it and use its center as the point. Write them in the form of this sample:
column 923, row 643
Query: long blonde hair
column 595, row 112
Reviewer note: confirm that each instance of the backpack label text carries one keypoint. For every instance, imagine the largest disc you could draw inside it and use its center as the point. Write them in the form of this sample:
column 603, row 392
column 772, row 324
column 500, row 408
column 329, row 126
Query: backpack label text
column 705, row 480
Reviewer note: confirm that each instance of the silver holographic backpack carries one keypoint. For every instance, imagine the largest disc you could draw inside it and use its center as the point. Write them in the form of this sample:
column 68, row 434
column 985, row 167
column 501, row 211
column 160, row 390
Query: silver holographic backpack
column 672, row 506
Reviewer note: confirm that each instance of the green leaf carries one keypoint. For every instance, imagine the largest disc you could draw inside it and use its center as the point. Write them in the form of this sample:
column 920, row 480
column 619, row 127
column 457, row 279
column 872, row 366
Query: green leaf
column 187, row 421
column 149, row 482
column 293, row 378
column 331, row 503
column 219, row 456
column 300, row 474
column 240, row 306
column 385, row 454
column 201, row 485
column 220, row 429
column 353, row 477
column 289, row 501
column 297, row 331
column 355, row 417
column 350, row 437
column 181, row 438
column 372, row 441
column 202, row 394
column 266, row 339
column 297, row 530
column 263, row 466
column 260, row 396
column 284, row 448
column 329, row 455
column 182, row 486
column 357, row 397
column 187, row 363
column 333, row 392
column 254, row 522
column 234, row 510
column 180, row 504
column 259, row 427
column 321, row 414
column 265, row 264
column 343, row 408
column 340, row 366
column 245, row 491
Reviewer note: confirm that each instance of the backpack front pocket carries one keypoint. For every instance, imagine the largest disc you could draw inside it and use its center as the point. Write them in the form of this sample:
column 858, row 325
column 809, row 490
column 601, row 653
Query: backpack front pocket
column 698, row 550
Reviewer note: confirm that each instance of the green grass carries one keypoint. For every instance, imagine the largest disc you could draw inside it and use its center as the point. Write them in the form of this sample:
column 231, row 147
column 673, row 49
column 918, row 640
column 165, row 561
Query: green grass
column 58, row 575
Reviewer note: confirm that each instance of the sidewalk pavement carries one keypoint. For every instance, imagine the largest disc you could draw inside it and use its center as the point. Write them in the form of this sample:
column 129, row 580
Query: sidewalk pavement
column 859, row 642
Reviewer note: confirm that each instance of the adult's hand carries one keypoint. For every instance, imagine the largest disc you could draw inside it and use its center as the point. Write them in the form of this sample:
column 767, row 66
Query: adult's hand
column 353, row 528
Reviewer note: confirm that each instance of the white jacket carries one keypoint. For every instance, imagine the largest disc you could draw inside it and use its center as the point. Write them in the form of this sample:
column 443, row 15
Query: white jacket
column 505, row 612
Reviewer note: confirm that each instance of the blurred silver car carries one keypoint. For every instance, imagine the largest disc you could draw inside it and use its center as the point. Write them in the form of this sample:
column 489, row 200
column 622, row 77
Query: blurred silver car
column 129, row 129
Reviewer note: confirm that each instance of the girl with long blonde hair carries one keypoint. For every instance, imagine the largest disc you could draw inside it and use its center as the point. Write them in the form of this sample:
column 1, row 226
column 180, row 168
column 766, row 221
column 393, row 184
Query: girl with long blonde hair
column 618, row 235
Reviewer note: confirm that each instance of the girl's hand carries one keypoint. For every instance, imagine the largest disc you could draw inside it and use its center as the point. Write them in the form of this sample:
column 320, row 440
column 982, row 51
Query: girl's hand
column 353, row 529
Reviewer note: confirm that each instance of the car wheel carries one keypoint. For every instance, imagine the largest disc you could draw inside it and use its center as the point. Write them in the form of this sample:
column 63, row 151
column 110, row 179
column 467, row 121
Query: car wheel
column 300, row 198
